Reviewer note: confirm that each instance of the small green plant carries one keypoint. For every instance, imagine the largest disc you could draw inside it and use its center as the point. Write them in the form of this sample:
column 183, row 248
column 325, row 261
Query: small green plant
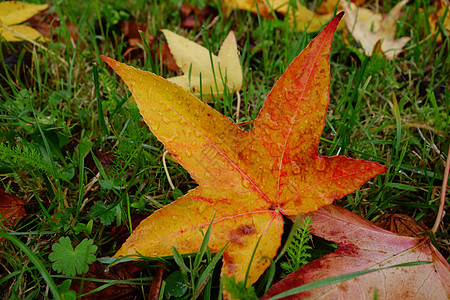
column 25, row 157
column 106, row 213
column 70, row 262
column 238, row 290
column 298, row 251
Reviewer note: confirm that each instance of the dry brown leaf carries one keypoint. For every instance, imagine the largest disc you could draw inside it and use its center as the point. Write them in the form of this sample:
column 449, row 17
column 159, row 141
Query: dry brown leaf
column 194, row 17
column 118, row 291
column 368, row 28
column 403, row 225
column 11, row 209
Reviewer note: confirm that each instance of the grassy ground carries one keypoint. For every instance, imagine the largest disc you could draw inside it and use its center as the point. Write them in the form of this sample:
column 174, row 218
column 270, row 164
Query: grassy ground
column 64, row 114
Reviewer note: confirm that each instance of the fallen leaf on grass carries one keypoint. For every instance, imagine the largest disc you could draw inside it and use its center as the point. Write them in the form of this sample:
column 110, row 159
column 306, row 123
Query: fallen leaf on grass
column 329, row 6
column 369, row 28
column 247, row 180
column 195, row 62
column 130, row 30
column 364, row 246
column 101, row 275
column 300, row 17
column 11, row 209
column 194, row 17
column 433, row 18
column 15, row 12
column 402, row 225
column 168, row 58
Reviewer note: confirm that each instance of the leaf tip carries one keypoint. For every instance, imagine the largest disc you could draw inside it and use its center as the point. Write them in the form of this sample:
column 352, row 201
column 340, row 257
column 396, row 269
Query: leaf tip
column 335, row 21
column 108, row 60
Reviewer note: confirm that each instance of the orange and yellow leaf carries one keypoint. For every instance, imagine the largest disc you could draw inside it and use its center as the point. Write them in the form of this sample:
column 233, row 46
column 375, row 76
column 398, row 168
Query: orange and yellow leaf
column 248, row 180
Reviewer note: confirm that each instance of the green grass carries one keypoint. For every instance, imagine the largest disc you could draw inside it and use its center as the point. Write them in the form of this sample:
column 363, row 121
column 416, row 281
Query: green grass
column 58, row 120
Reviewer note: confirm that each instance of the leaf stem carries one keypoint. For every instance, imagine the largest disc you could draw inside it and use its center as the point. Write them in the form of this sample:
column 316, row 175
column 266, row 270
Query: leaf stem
column 440, row 214
column 238, row 106
column 166, row 170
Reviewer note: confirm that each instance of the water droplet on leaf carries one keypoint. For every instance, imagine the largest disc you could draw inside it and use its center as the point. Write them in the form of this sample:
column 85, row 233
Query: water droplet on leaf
column 295, row 167
column 245, row 183
column 319, row 163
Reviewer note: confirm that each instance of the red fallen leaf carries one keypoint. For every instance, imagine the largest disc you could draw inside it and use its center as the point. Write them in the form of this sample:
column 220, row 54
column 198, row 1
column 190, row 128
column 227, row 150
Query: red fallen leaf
column 192, row 16
column 12, row 209
column 117, row 291
column 365, row 246
column 247, row 180
column 105, row 158
column 168, row 58
column 155, row 288
column 46, row 23
column 130, row 30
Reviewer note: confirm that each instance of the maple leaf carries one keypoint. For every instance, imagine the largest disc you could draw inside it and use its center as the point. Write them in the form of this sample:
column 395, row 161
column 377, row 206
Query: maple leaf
column 370, row 28
column 195, row 62
column 364, row 246
column 248, row 180
column 15, row 12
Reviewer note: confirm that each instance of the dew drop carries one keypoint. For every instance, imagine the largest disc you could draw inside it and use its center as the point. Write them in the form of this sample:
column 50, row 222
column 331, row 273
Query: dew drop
column 319, row 163
column 197, row 133
column 245, row 183
column 194, row 143
column 295, row 167
column 165, row 119
column 271, row 123
column 290, row 95
column 188, row 152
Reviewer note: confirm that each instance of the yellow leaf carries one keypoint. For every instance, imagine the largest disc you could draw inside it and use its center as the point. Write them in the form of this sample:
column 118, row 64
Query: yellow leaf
column 300, row 17
column 442, row 7
column 22, row 29
column 195, row 62
column 368, row 28
column 15, row 12
column 248, row 5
